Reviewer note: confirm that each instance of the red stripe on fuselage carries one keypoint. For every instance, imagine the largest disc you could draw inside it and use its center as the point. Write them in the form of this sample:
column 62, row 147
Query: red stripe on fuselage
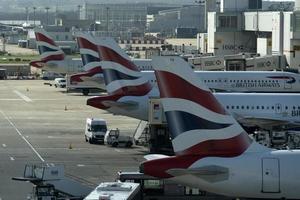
column 231, row 147
column 41, row 37
column 173, row 86
column 107, row 54
column 84, row 43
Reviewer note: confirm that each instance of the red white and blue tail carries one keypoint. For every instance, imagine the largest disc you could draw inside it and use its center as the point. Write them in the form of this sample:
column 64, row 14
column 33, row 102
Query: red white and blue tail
column 90, row 58
column 198, row 123
column 48, row 49
column 121, row 75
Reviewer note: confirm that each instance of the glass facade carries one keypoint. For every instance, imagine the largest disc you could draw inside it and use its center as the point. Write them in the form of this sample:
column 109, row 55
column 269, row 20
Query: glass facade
column 117, row 18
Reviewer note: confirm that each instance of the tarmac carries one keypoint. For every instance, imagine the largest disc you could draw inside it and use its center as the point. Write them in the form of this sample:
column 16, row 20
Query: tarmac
column 43, row 124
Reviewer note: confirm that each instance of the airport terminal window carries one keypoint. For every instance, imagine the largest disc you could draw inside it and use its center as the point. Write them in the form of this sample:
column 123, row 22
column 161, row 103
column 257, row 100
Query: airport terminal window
column 228, row 21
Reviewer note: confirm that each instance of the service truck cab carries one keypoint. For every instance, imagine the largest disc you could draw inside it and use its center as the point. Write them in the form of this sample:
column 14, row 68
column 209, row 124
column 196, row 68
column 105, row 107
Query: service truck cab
column 95, row 130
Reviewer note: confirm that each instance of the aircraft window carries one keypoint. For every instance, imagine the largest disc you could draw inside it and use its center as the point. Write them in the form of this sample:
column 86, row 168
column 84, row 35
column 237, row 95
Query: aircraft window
column 286, row 107
column 227, row 107
column 232, row 107
column 273, row 81
column 220, row 81
column 204, row 81
column 208, row 81
column 242, row 107
column 299, row 107
column 262, row 107
column 252, row 107
column 278, row 107
column 247, row 107
column 269, row 81
column 268, row 108
column 276, row 81
column 257, row 107
column 237, row 107
column 273, row 108
column 294, row 107
column 225, row 81
column 237, row 81
column 230, row 81
column 234, row 81
column 251, row 81
column 255, row 81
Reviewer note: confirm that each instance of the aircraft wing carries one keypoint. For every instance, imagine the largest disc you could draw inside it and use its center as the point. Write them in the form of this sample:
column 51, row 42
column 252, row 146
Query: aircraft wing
column 262, row 122
column 124, row 105
column 211, row 173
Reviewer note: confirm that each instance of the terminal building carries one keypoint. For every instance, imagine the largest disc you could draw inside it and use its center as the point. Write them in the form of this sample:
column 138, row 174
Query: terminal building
column 241, row 27
column 123, row 21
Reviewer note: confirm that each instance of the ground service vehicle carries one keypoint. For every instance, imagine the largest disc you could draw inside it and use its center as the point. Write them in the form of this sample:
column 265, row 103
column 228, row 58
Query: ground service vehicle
column 95, row 130
column 60, row 82
column 114, row 138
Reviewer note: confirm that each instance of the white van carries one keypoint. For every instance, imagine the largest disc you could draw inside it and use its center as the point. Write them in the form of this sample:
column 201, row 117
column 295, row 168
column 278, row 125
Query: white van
column 60, row 82
column 95, row 130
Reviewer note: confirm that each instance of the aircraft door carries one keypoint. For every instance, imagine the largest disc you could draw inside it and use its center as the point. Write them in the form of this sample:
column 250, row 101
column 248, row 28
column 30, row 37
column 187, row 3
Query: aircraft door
column 270, row 175
column 287, row 85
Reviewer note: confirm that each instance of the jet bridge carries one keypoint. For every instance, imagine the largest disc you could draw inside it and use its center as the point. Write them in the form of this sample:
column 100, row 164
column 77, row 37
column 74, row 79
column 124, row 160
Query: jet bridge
column 50, row 182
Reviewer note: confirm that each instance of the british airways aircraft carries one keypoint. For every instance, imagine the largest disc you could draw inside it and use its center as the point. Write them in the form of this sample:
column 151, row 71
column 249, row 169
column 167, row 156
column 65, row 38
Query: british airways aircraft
column 129, row 92
column 92, row 74
column 212, row 151
column 53, row 59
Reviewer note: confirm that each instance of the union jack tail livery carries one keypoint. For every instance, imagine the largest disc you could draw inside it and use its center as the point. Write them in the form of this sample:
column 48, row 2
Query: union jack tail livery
column 199, row 126
column 48, row 49
column 122, row 77
column 90, row 58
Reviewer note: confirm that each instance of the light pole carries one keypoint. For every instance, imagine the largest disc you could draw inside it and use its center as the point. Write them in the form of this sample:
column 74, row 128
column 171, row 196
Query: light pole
column 47, row 12
column 107, row 20
column 34, row 8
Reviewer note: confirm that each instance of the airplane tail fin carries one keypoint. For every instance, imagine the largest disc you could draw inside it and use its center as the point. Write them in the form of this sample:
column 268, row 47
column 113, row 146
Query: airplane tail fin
column 121, row 75
column 198, row 123
column 48, row 49
column 199, row 126
column 90, row 58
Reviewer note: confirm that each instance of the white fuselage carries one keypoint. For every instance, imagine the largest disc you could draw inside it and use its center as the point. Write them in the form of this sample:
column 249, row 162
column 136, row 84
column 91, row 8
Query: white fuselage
column 248, row 108
column 262, row 174
column 246, row 81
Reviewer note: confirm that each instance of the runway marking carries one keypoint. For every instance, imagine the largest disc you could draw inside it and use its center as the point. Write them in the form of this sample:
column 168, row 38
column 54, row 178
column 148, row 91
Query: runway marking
column 21, row 135
column 4, row 145
column 23, row 96
column 80, row 165
column 10, row 99
column 118, row 150
column 12, row 158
